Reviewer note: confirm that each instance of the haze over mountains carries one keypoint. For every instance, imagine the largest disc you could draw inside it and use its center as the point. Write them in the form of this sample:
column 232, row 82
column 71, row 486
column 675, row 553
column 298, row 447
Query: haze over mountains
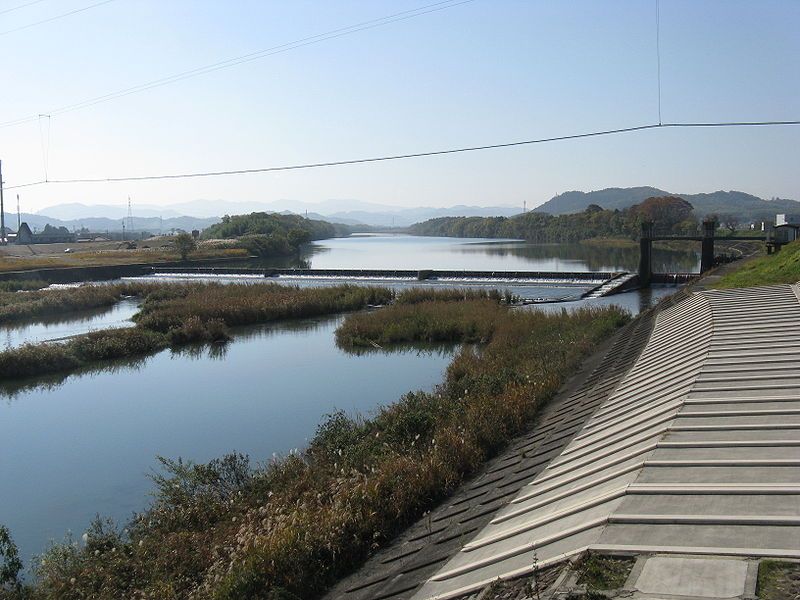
column 200, row 214
column 745, row 206
column 206, row 212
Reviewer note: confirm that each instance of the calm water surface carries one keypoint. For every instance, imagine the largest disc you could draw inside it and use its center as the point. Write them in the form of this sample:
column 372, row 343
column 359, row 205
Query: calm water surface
column 85, row 444
column 76, row 323
column 381, row 251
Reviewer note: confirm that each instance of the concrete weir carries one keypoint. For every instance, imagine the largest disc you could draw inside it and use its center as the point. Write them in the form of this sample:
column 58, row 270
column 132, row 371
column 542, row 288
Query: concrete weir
column 695, row 454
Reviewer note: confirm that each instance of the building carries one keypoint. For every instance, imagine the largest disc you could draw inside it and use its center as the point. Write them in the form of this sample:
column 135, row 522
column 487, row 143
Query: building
column 787, row 227
column 50, row 235
column 24, row 235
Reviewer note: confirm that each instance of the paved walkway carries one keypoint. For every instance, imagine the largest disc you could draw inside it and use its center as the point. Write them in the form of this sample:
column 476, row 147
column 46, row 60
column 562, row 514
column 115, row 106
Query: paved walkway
column 697, row 452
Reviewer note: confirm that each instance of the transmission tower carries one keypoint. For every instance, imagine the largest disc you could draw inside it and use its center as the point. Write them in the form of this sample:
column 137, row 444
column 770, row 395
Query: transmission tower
column 130, row 216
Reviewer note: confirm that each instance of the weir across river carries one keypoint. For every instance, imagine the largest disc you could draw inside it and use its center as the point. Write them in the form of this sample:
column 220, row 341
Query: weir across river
column 594, row 283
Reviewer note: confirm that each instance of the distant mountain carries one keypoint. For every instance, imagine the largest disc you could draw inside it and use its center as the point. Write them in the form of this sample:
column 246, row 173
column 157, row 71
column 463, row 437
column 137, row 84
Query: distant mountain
column 75, row 210
column 347, row 212
column 100, row 224
column 403, row 217
column 746, row 206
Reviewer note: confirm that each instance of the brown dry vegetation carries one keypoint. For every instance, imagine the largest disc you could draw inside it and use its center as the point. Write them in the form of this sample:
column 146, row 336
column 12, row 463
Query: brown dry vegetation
column 171, row 314
column 226, row 530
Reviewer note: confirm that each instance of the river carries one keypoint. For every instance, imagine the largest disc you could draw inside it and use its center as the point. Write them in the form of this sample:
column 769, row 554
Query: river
column 78, row 445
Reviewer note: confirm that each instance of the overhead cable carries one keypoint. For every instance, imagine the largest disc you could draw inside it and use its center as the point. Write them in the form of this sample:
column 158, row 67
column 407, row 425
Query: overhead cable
column 339, row 163
column 61, row 16
column 252, row 56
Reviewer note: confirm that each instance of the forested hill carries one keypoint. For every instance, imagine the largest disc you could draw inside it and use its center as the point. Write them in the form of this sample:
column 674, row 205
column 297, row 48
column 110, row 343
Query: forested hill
column 670, row 214
column 744, row 206
column 262, row 223
column 273, row 234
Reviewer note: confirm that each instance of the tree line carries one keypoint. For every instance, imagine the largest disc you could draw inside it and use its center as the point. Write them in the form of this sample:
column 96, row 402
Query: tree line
column 670, row 214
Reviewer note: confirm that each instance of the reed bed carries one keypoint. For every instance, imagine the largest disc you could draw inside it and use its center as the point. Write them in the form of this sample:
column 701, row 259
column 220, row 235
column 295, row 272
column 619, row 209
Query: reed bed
column 171, row 315
column 58, row 302
column 22, row 285
column 288, row 529
column 249, row 304
column 37, row 359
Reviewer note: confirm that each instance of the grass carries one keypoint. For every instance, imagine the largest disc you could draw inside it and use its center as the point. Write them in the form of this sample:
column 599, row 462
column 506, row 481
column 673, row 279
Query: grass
column 37, row 304
column 234, row 305
column 22, row 285
column 468, row 321
column 778, row 580
column 36, row 359
column 171, row 315
column 231, row 530
column 781, row 267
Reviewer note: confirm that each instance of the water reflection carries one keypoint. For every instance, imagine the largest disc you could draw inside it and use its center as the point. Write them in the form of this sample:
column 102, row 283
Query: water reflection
column 586, row 257
column 58, row 327
column 91, row 437
column 393, row 251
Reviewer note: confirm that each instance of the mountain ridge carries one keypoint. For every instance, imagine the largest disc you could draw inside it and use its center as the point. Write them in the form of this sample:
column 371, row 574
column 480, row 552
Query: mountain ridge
column 720, row 202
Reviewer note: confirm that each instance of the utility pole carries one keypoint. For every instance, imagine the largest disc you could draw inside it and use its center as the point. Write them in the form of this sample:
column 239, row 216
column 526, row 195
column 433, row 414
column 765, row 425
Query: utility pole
column 18, row 217
column 2, row 210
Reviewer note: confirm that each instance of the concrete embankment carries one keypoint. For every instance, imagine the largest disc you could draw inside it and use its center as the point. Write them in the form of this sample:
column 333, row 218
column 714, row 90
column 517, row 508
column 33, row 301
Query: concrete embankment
column 103, row 272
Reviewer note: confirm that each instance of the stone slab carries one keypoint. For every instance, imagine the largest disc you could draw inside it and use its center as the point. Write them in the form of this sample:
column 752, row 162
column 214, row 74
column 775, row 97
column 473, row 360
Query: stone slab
column 694, row 577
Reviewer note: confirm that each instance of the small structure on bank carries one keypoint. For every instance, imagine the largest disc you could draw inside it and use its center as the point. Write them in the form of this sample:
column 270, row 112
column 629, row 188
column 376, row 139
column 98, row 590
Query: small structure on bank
column 787, row 227
column 50, row 235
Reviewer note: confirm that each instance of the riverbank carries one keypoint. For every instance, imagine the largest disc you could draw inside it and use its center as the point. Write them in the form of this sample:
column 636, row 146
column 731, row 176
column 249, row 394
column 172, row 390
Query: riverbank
column 301, row 522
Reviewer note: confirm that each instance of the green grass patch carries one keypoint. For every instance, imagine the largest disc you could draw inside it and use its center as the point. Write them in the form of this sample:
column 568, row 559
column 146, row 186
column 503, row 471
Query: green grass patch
column 778, row 580
column 781, row 267
column 232, row 530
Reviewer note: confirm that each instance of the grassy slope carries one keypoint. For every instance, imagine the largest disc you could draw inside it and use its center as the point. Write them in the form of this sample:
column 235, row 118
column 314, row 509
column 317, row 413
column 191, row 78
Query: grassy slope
column 783, row 267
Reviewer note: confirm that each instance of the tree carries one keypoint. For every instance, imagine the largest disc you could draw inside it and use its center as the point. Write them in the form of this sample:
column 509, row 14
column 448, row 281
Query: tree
column 185, row 244
column 10, row 564
column 730, row 222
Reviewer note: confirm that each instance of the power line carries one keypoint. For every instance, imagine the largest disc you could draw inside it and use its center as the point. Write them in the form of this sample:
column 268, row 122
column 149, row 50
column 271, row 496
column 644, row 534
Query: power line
column 8, row 10
column 339, row 163
column 658, row 55
column 252, row 56
column 61, row 16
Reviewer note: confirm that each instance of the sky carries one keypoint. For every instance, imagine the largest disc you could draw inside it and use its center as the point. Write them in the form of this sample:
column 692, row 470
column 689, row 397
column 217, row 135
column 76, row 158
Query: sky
column 475, row 73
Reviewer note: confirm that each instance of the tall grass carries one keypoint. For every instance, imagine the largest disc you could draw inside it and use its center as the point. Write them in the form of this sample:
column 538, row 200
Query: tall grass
column 171, row 314
column 22, row 285
column 250, row 304
column 37, row 359
column 50, row 302
column 228, row 530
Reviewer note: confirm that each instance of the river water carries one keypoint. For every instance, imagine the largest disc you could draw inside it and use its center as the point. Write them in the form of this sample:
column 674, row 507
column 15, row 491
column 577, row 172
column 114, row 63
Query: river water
column 78, row 445
column 74, row 446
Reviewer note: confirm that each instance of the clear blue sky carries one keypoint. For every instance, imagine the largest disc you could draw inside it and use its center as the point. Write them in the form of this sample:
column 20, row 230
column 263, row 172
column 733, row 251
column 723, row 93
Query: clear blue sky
column 484, row 72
